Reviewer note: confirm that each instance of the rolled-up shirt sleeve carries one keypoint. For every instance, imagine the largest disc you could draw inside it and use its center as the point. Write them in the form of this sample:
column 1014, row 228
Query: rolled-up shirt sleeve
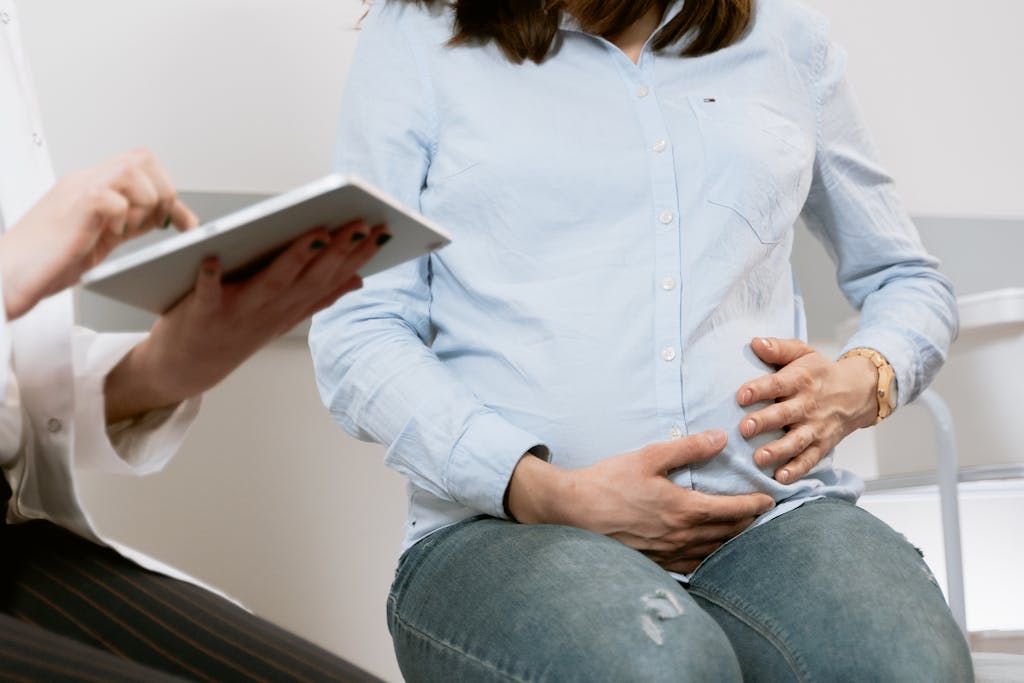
column 907, row 307
column 375, row 370
column 139, row 446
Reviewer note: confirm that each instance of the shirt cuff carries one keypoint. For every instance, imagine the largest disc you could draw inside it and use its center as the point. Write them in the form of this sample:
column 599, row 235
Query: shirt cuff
column 899, row 352
column 139, row 446
column 483, row 460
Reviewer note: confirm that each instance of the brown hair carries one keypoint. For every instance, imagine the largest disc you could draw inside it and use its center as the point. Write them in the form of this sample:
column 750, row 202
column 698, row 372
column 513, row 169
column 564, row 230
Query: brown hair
column 526, row 29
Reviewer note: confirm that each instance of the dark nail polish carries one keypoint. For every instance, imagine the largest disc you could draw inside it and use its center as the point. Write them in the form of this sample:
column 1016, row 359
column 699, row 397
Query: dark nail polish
column 167, row 222
column 317, row 245
column 383, row 239
column 358, row 236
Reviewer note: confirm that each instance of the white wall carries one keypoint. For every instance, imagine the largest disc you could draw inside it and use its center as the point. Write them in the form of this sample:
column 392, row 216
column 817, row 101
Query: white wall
column 939, row 81
column 269, row 500
column 243, row 80
column 232, row 95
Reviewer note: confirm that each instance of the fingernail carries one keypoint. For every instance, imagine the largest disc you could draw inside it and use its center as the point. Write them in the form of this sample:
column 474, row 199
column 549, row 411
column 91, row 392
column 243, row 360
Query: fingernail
column 317, row 245
column 167, row 222
column 784, row 476
column 750, row 426
column 766, row 456
column 767, row 343
column 124, row 229
column 383, row 239
column 209, row 271
column 747, row 396
column 716, row 438
column 358, row 236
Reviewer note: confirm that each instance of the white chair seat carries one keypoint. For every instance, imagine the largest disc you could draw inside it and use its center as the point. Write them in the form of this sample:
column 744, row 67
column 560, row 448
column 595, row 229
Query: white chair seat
column 993, row 667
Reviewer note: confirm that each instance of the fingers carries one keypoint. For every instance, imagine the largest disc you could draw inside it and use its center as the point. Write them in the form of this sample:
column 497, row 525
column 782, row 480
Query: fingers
column 209, row 289
column 685, row 560
column 335, row 271
column 775, row 351
column 110, row 210
column 355, row 244
column 180, row 216
column 287, row 266
column 682, row 566
column 801, row 374
column 800, row 465
column 154, row 201
column 795, row 442
column 716, row 509
column 671, row 455
column 776, row 416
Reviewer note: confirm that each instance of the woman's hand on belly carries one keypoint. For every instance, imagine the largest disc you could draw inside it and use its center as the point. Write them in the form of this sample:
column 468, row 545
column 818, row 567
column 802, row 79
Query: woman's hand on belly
column 817, row 401
column 630, row 498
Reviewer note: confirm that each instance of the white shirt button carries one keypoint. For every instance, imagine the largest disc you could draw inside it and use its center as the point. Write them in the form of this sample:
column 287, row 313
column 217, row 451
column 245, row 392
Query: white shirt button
column 53, row 425
column 676, row 433
column 668, row 355
column 666, row 217
column 668, row 284
column 643, row 91
column 5, row 17
column 660, row 146
column 37, row 139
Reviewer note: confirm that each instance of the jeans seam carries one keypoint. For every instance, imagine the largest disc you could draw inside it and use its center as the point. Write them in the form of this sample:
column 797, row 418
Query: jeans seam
column 423, row 635
column 743, row 613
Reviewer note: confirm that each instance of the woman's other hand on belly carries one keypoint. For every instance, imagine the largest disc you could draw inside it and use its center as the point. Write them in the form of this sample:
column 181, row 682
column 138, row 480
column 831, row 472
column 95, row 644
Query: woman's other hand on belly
column 817, row 401
column 630, row 498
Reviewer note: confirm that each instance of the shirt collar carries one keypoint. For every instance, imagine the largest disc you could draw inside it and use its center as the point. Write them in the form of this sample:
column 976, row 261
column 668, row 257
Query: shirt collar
column 568, row 22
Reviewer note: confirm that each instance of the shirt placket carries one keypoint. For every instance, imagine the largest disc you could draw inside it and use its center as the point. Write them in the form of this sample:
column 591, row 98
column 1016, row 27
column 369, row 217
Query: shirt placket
column 666, row 224
column 27, row 172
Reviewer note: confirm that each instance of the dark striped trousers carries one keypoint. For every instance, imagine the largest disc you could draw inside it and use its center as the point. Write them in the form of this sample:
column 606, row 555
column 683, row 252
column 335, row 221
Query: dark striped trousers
column 74, row 611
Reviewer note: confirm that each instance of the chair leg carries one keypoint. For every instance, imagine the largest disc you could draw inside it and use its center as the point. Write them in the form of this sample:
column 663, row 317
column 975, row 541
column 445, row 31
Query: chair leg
column 948, row 473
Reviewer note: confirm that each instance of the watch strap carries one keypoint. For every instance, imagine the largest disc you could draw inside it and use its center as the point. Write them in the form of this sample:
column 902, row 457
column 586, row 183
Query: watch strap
column 886, row 376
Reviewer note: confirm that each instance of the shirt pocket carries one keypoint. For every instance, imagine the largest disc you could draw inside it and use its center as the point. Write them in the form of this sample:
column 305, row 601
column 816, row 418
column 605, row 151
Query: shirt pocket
column 757, row 162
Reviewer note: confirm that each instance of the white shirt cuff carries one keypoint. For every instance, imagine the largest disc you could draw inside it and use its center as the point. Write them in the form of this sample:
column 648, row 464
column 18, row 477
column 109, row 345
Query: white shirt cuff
column 139, row 446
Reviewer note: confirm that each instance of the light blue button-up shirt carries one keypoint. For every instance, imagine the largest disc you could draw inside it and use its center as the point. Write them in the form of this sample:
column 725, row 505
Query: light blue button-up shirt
column 622, row 231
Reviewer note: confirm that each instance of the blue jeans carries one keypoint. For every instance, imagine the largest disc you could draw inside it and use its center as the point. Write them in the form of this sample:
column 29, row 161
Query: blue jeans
column 823, row 593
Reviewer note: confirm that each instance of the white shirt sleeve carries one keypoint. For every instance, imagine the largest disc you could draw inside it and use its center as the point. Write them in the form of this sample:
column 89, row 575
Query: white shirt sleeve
column 5, row 342
column 139, row 446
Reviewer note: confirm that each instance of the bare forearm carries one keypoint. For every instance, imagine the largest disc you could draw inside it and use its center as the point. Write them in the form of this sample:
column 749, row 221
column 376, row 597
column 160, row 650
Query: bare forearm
column 136, row 386
column 535, row 491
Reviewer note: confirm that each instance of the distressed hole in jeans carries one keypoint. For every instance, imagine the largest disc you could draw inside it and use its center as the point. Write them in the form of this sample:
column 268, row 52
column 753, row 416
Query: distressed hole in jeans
column 659, row 606
column 924, row 567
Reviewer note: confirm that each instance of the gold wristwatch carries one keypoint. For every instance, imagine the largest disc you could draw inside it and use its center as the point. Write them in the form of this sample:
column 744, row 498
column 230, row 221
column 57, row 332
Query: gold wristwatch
column 887, row 389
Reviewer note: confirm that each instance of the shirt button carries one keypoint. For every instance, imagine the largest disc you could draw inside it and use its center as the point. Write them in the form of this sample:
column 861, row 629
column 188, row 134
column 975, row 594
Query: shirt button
column 53, row 425
column 660, row 146
column 37, row 139
column 668, row 284
column 666, row 217
column 643, row 91
column 676, row 433
column 668, row 355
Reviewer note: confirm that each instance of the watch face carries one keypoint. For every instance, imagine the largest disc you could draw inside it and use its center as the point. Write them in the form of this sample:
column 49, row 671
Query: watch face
column 893, row 389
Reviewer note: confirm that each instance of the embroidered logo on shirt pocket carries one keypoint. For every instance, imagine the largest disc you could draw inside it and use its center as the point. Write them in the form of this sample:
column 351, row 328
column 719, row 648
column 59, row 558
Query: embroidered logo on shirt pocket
column 757, row 162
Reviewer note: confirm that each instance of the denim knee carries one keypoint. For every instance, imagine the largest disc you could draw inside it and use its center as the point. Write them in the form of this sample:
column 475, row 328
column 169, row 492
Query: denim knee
column 495, row 601
column 828, row 592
